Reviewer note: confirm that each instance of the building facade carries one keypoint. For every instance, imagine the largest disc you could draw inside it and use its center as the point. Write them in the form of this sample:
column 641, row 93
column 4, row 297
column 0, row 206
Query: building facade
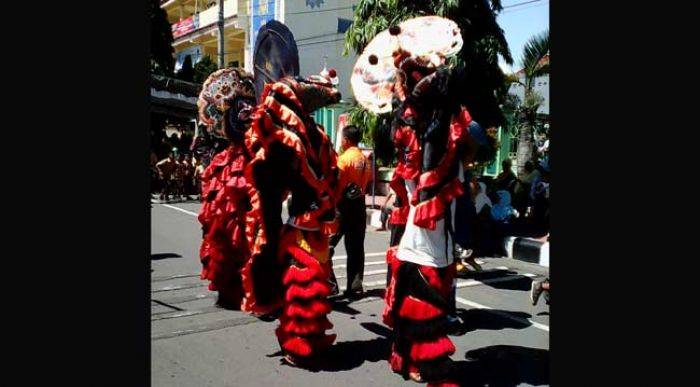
column 318, row 27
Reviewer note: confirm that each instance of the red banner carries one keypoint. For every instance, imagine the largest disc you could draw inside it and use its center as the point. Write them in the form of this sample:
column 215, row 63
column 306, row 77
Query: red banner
column 185, row 26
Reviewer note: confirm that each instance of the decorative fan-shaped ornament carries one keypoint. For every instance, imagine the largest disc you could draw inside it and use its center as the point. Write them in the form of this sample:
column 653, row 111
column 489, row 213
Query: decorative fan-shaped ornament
column 275, row 55
column 428, row 38
column 218, row 92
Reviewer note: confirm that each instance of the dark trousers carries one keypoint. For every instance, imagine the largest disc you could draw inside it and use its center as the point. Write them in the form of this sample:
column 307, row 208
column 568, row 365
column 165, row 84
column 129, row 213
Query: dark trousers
column 353, row 222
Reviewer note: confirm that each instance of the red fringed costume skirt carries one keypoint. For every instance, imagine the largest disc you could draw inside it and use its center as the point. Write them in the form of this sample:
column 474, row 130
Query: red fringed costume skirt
column 224, row 249
column 304, row 320
column 416, row 304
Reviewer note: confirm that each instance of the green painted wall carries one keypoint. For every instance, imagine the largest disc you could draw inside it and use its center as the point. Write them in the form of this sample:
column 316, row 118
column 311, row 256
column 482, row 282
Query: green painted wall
column 328, row 117
column 504, row 152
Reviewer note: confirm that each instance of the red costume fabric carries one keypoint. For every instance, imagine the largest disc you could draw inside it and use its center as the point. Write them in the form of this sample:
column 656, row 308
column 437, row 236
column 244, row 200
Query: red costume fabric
column 415, row 307
column 430, row 134
column 287, row 266
column 224, row 248
column 256, row 263
column 226, row 98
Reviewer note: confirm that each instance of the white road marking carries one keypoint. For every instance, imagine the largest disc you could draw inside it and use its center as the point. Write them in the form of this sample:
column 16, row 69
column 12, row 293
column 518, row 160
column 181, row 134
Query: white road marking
column 342, row 265
column 460, row 283
column 181, row 210
column 367, row 273
column 472, row 282
column 383, row 253
column 368, row 284
column 504, row 314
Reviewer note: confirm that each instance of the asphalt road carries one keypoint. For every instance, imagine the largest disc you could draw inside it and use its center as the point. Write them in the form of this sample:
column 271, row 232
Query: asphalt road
column 505, row 340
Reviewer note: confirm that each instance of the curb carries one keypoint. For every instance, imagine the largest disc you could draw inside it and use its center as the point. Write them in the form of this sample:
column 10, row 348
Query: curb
column 527, row 250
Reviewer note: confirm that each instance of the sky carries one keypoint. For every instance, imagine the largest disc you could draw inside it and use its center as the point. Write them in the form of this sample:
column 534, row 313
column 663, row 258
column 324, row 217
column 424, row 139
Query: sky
column 520, row 23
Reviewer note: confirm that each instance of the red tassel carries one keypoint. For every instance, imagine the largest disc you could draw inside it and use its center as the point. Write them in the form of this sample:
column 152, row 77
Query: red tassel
column 395, row 362
column 306, row 259
column 298, row 346
column 441, row 283
column 418, row 310
column 301, row 346
column 315, row 289
column 393, row 263
column 443, row 384
column 432, row 350
column 308, row 310
column 399, row 215
column 428, row 212
column 305, row 327
column 298, row 275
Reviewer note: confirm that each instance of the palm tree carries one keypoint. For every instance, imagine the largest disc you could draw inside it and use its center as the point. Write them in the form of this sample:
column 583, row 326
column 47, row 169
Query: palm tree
column 534, row 65
column 483, row 39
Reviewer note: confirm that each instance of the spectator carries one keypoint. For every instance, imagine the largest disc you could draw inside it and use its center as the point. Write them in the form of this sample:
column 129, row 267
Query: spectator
column 484, row 244
column 537, row 289
column 386, row 209
column 502, row 211
column 198, row 171
column 478, row 223
column 355, row 172
column 187, row 167
column 521, row 196
column 181, row 172
column 539, row 197
column 544, row 148
column 163, row 148
column 185, row 141
column 166, row 172
column 482, row 203
column 155, row 182
column 506, row 179
column 175, row 140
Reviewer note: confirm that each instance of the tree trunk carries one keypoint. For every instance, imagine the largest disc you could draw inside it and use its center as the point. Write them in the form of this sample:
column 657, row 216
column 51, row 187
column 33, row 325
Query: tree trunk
column 525, row 147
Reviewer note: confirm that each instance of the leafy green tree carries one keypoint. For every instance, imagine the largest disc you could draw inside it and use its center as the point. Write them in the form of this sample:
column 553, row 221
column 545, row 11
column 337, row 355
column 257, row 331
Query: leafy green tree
column 161, row 60
column 483, row 39
column 203, row 68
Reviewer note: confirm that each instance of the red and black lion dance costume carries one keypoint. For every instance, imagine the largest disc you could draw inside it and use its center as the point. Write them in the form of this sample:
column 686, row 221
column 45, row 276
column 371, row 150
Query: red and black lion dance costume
column 404, row 71
column 256, row 262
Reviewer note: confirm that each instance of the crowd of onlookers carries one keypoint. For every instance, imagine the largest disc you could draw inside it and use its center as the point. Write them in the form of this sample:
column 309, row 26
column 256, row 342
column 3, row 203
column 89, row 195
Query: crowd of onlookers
column 507, row 205
column 175, row 172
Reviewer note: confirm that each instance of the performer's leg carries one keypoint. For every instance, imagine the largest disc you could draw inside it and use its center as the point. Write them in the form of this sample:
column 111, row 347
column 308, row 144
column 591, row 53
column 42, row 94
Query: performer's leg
column 333, row 242
column 304, row 320
column 396, row 234
column 355, row 245
column 416, row 308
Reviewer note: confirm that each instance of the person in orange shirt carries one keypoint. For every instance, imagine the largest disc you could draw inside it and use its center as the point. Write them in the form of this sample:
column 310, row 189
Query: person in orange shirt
column 355, row 173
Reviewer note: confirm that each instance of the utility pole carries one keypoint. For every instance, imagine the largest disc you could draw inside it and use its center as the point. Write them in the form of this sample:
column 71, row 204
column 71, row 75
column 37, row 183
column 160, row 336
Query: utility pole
column 221, row 34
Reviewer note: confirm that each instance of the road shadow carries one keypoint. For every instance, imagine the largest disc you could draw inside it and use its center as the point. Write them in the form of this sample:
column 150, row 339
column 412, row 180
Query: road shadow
column 503, row 366
column 520, row 283
column 342, row 304
column 491, row 319
column 517, row 282
column 487, row 274
column 159, row 256
column 344, row 307
column 348, row 355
